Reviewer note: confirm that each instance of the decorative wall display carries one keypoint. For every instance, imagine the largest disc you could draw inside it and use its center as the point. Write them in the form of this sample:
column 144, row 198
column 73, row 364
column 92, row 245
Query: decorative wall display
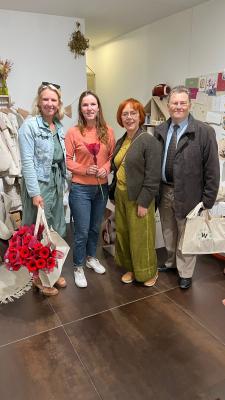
column 192, row 82
column 202, row 83
column 193, row 92
column 221, row 82
column 211, row 84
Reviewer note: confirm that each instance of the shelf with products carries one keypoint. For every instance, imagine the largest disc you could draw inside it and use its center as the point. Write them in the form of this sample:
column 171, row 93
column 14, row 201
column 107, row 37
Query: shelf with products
column 156, row 111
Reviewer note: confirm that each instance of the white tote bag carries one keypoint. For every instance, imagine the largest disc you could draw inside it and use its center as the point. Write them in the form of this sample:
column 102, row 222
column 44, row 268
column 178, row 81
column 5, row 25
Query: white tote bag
column 58, row 243
column 204, row 233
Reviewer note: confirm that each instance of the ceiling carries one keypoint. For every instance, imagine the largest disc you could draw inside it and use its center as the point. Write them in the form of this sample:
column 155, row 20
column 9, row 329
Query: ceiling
column 105, row 19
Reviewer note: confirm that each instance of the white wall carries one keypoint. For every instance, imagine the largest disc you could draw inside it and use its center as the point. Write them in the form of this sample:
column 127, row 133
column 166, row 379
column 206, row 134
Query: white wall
column 37, row 45
column 183, row 45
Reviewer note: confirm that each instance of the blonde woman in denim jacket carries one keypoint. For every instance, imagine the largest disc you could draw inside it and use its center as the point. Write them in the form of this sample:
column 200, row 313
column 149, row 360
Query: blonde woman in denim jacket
column 41, row 141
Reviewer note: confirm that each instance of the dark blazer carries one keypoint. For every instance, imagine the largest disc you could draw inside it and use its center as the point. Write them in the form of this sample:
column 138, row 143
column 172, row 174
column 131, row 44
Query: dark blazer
column 196, row 170
column 142, row 167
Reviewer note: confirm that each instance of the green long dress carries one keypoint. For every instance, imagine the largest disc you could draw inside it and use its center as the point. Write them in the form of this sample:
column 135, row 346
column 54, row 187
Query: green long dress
column 135, row 236
column 52, row 193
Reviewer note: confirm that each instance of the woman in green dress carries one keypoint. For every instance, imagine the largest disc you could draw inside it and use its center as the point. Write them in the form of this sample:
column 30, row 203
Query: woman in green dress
column 137, row 169
column 41, row 140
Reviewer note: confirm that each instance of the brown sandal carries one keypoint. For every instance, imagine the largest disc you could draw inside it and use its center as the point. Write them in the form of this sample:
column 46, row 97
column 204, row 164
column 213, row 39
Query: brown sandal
column 61, row 283
column 128, row 277
column 47, row 291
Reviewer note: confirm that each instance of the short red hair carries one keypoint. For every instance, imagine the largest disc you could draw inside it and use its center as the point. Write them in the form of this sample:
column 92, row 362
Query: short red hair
column 137, row 106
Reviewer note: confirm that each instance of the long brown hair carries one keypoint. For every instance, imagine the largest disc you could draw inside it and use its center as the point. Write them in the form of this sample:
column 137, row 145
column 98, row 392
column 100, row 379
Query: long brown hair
column 101, row 127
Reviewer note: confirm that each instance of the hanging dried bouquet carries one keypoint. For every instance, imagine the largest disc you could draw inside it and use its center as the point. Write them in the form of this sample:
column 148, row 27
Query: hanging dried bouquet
column 78, row 44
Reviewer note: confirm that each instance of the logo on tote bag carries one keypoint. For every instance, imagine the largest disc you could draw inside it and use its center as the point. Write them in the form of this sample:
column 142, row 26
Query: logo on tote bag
column 202, row 235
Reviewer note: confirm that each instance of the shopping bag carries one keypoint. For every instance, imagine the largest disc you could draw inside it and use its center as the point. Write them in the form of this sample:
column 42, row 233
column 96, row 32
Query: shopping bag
column 203, row 233
column 57, row 242
column 6, row 226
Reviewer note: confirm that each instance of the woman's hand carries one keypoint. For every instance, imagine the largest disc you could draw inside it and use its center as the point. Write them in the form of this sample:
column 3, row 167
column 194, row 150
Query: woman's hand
column 102, row 173
column 141, row 211
column 38, row 201
column 92, row 170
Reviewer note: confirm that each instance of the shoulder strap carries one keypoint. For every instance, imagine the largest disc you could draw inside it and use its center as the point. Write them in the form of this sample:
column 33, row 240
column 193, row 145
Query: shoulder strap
column 131, row 145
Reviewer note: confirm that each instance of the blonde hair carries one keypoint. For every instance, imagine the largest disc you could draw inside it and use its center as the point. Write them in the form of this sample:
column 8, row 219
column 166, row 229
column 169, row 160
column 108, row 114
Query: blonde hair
column 36, row 108
column 101, row 127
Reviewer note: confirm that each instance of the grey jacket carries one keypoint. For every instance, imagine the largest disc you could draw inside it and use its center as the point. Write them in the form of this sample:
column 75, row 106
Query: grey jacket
column 142, row 167
column 196, row 166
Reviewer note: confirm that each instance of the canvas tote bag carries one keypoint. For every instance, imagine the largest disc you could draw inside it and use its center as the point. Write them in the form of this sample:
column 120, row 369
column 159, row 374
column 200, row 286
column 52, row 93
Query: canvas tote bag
column 58, row 243
column 203, row 233
column 6, row 226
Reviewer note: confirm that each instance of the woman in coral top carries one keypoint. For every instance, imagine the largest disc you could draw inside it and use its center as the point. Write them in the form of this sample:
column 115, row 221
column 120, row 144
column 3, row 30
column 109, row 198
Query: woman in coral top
column 89, row 148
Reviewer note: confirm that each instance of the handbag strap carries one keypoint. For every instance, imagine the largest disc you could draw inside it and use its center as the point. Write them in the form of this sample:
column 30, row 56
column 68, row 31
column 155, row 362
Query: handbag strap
column 123, row 159
column 41, row 219
column 193, row 213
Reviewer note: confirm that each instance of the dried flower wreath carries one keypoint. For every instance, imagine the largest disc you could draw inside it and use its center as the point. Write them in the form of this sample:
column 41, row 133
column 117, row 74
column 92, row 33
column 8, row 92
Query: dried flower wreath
column 78, row 44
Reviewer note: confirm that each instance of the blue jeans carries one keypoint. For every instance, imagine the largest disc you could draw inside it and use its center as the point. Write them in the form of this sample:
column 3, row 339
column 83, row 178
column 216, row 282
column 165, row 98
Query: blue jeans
column 87, row 207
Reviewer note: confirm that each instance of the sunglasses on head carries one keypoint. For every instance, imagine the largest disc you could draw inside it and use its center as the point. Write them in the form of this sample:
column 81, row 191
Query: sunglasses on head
column 50, row 84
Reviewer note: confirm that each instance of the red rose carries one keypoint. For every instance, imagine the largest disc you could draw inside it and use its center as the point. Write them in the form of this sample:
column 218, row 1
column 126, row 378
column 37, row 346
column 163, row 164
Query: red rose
column 13, row 238
column 41, row 263
column 93, row 148
column 44, row 252
column 37, row 246
column 12, row 257
column 26, row 239
column 15, row 241
column 32, row 266
column 33, row 242
column 16, row 267
column 51, row 263
column 22, row 230
column 24, row 252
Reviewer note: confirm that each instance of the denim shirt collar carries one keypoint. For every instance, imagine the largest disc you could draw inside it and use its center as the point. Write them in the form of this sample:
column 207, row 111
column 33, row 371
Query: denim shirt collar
column 43, row 124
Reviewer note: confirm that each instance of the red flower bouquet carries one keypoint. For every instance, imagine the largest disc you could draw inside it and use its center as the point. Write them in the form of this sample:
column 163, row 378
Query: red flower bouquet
column 26, row 250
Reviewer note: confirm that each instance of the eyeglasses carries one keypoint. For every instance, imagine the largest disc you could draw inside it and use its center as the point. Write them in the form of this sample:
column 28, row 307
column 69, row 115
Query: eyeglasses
column 126, row 114
column 50, row 84
column 179, row 103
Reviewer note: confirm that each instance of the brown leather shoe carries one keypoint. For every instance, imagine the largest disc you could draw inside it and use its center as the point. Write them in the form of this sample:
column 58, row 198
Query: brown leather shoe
column 128, row 277
column 47, row 291
column 151, row 282
column 61, row 283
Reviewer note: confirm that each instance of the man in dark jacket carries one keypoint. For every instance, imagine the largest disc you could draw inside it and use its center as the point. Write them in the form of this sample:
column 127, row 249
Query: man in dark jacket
column 190, row 174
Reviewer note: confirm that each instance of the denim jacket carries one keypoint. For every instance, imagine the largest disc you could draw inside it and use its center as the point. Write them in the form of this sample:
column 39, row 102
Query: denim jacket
column 37, row 149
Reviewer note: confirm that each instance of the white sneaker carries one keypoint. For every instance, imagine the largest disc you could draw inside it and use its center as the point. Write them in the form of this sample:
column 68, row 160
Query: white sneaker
column 95, row 265
column 79, row 277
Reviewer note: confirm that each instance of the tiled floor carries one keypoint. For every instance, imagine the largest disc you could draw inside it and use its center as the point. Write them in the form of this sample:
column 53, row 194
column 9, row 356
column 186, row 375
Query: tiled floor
column 112, row 341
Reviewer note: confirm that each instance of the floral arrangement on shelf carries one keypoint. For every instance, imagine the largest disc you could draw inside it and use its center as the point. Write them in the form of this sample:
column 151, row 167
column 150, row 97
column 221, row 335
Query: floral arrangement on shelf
column 27, row 250
column 5, row 68
column 78, row 44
